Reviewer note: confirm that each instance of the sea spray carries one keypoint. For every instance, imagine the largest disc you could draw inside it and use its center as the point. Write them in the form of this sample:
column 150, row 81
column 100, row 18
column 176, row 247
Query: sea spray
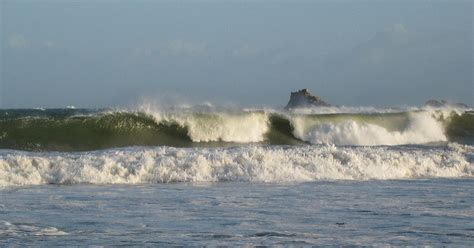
column 406, row 128
column 227, row 127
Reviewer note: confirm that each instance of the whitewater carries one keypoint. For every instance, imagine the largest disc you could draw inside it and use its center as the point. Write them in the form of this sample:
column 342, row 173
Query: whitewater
column 232, row 176
column 242, row 164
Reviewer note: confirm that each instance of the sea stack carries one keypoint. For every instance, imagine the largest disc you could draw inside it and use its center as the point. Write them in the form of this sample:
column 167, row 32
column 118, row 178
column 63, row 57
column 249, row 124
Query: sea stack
column 303, row 98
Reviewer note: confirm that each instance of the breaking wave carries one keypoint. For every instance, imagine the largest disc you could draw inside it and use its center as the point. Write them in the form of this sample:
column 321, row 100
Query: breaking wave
column 141, row 165
column 409, row 128
column 83, row 130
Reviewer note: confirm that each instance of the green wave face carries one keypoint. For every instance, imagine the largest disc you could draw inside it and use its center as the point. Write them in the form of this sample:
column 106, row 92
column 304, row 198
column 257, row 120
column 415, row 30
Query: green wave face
column 79, row 130
column 281, row 132
column 89, row 132
column 460, row 128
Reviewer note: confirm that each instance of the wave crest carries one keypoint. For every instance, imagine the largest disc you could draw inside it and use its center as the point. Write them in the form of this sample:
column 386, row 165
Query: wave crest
column 244, row 127
column 73, row 130
column 418, row 128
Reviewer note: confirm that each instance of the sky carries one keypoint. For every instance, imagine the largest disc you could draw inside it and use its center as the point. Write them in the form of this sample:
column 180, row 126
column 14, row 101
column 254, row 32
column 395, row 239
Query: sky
column 108, row 53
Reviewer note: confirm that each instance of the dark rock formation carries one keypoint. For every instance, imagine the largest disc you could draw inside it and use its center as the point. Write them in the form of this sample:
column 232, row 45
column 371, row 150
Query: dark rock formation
column 444, row 103
column 303, row 98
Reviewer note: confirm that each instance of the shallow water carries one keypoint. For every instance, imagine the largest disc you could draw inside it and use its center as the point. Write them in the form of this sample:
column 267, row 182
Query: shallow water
column 392, row 212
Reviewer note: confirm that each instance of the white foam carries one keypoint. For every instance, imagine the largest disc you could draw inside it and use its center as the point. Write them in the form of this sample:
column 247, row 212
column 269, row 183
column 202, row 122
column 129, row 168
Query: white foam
column 21, row 230
column 206, row 126
column 244, row 126
column 422, row 127
column 350, row 110
column 248, row 163
column 373, row 110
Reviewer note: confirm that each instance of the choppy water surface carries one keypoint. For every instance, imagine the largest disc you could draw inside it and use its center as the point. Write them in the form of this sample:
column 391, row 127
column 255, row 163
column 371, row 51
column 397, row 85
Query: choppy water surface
column 415, row 212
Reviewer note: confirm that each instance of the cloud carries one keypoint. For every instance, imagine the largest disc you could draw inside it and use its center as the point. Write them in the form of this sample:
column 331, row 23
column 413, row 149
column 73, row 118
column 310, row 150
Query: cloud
column 183, row 48
column 386, row 43
column 397, row 30
column 394, row 34
column 157, row 51
column 49, row 44
column 398, row 60
column 244, row 51
column 17, row 41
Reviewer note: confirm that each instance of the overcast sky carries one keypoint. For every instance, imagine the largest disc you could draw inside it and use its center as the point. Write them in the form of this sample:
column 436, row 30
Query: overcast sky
column 114, row 53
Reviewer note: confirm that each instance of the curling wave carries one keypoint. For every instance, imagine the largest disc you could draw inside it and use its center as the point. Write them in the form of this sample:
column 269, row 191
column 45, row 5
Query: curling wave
column 82, row 130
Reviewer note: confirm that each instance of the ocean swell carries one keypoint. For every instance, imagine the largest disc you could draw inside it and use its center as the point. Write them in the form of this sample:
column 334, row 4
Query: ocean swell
column 63, row 130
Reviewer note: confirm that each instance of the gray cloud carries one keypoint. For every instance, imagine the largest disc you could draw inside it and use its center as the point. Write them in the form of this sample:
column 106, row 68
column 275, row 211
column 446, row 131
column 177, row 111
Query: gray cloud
column 181, row 47
column 17, row 41
column 245, row 50
column 398, row 62
column 251, row 53
column 20, row 41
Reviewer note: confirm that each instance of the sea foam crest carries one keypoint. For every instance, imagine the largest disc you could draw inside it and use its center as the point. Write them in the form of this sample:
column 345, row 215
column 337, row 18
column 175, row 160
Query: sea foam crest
column 246, row 163
column 23, row 230
column 421, row 128
column 242, row 128
column 351, row 128
column 206, row 126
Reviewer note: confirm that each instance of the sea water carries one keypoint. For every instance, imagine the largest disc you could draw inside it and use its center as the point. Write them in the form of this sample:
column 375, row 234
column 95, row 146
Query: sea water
column 421, row 212
column 341, row 176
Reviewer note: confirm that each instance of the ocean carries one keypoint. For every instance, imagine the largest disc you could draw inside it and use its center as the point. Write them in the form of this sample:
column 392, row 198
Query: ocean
column 203, row 175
